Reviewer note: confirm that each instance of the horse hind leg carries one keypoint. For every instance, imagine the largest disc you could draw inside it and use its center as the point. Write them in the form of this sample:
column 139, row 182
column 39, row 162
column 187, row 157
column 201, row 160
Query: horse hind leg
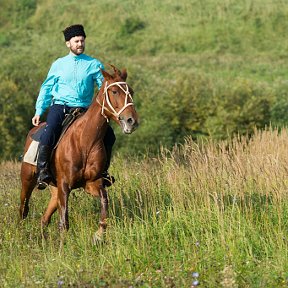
column 51, row 208
column 28, row 180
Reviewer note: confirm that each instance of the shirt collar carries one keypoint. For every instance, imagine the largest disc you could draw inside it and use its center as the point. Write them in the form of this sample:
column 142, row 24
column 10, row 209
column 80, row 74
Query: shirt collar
column 76, row 57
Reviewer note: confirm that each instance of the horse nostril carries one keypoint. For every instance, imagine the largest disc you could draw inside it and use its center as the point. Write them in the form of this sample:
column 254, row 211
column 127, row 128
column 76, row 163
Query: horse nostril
column 130, row 121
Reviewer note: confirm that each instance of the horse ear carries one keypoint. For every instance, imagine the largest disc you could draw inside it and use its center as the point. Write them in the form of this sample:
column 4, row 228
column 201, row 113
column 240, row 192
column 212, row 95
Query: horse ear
column 116, row 70
column 106, row 75
column 124, row 74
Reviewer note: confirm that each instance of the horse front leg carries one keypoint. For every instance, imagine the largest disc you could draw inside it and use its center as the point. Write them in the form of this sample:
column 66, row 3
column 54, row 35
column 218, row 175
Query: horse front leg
column 96, row 189
column 103, row 213
column 63, row 195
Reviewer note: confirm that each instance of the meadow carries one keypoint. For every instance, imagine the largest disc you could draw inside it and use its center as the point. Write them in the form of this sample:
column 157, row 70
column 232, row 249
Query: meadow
column 211, row 212
column 210, row 209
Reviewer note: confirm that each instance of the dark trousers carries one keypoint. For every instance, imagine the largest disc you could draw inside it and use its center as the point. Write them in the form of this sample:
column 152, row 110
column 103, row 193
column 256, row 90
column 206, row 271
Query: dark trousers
column 53, row 127
column 53, row 130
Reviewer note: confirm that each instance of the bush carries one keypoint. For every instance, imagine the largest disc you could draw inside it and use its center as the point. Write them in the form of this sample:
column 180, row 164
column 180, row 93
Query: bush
column 131, row 25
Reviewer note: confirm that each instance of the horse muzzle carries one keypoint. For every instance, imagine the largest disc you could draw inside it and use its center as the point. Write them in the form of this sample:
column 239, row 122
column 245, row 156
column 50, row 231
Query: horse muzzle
column 128, row 124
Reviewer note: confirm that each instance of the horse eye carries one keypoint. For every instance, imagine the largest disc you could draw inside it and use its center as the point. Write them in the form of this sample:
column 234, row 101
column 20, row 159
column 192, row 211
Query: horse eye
column 114, row 92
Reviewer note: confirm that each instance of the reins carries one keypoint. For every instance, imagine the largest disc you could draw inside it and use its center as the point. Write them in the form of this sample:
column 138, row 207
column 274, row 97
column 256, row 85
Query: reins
column 106, row 99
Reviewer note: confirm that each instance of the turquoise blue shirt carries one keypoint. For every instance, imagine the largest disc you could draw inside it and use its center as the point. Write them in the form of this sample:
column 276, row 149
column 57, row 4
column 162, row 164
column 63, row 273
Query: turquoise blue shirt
column 71, row 81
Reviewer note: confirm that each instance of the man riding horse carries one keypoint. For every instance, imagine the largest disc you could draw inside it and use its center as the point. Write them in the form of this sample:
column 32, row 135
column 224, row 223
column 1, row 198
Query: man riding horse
column 69, row 84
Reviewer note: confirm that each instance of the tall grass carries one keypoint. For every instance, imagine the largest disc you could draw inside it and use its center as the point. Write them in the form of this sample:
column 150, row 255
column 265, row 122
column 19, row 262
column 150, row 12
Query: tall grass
column 218, row 209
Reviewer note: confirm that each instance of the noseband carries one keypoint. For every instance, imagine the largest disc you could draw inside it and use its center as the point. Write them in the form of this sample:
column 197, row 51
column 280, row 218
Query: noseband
column 106, row 99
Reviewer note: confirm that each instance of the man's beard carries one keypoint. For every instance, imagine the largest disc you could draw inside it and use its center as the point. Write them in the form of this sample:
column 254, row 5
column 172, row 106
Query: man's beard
column 76, row 51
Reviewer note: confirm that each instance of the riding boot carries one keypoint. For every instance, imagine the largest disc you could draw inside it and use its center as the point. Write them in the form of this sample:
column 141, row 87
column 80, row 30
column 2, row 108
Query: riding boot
column 108, row 179
column 44, row 175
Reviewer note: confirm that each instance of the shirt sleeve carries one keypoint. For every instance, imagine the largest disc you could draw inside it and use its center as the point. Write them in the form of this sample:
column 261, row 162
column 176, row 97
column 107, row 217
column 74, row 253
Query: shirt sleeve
column 98, row 77
column 45, row 96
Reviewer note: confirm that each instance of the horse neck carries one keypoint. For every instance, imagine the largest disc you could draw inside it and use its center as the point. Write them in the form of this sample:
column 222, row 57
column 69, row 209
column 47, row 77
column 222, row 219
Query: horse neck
column 95, row 124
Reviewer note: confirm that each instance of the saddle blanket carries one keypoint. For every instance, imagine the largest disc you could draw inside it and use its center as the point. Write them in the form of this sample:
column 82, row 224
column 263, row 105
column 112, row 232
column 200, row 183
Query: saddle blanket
column 32, row 153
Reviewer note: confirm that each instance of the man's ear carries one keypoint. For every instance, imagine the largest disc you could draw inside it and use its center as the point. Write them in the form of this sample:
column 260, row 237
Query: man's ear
column 68, row 44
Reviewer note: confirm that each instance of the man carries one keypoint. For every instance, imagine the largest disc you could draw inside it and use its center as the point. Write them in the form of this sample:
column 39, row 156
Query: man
column 69, row 84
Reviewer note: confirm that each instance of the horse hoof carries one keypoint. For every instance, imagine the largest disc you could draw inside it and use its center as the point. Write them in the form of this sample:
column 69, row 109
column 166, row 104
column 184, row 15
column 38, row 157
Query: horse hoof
column 24, row 214
column 45, row 235
column 98, row 238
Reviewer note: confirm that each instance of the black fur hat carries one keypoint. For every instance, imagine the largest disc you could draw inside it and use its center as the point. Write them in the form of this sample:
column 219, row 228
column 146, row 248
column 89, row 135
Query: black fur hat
column 74, row 30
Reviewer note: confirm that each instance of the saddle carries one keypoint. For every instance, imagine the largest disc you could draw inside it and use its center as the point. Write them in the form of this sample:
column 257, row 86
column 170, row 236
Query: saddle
column 31, row 154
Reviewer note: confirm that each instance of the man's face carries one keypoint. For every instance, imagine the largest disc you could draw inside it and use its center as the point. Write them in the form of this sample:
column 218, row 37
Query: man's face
column 76, row 45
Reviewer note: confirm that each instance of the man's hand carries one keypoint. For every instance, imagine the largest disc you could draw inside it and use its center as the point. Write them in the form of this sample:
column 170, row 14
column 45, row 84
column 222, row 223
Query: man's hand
column 36, row 120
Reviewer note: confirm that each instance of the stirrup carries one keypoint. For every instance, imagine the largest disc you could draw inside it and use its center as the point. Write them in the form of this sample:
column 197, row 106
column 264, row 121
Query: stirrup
column 108, row 180
column 44, row 179
column 41, row 185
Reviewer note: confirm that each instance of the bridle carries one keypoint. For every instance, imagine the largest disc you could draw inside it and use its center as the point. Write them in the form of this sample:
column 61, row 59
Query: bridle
column 106, row 99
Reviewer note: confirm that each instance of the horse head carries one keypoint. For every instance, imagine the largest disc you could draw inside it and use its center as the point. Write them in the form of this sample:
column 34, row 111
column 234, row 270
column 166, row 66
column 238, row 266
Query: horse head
column 115, row 98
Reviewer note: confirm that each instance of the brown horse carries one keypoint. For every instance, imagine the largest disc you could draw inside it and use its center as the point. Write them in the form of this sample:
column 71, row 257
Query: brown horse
column 80, row 157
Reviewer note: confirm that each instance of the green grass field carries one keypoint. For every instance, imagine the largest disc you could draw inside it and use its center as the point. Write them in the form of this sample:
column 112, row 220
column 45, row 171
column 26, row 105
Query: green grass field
column 216, row 209
column 213, row 212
